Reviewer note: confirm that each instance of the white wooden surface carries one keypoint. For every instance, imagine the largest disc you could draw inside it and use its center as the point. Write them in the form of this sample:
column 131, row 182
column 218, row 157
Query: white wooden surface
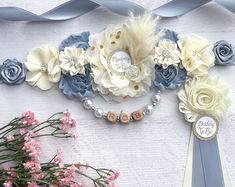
column 149, row 154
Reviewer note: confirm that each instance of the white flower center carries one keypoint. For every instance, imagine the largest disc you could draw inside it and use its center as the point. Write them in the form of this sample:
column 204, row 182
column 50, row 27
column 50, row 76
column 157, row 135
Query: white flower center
column 132, row 72
column 120, row 61
column 166, row 53
column 43, row 68
column 196, row 54
column 74, row 60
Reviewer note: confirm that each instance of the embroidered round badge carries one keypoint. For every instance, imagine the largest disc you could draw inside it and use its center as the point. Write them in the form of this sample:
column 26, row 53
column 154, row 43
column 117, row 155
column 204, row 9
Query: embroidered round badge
column 120, row 61
column 206, row 127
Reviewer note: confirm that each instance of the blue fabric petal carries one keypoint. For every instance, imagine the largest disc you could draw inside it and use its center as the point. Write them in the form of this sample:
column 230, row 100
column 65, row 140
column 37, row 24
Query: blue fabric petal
column 171, row 35
column 12, row 72
column 78, row 41
column 77, row 86
column 224, row 53
column 170, row 78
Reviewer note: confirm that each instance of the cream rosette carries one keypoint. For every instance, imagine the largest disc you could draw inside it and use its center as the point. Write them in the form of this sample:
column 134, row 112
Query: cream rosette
column 196, row 54
column 73, row 60
column 43, row 67
column 203, row 96
column 167, row 53
column 121, row 58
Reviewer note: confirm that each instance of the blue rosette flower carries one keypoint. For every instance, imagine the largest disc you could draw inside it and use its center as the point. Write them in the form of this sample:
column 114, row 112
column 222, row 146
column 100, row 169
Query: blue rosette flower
column 77, row 86
column 78, row 41
column 171, row 35
column 12, row 72
column 224, row 53
column 170, row 78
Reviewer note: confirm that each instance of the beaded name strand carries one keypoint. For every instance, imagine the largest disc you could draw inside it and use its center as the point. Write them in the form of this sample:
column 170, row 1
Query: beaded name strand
column 123, row 117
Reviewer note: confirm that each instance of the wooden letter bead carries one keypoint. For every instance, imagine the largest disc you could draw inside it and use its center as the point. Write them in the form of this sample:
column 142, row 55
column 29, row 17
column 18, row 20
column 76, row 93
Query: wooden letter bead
column 124, row 118
column 137, row 115
column 111, row 117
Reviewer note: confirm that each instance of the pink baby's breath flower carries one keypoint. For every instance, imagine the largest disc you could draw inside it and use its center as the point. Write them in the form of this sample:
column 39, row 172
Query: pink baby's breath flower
column 33, row 184
column 10, row 137
column 113, row 176
column 65, row 181
column 32, row 166
column 38, row 176
column 58, row 160
column 29, row 118
column 70, row 172
column 22, row 131
column 67, row 122
column 32, row 147
column 73, row 135
column 76, row 185
column 12, row 173
column 72, row 123
column 57, row 173
column 8, row 184
column 67, row 113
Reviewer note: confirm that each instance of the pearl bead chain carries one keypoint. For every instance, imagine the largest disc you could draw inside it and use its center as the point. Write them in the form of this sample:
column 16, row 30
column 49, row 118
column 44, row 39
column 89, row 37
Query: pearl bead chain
column 123, row 117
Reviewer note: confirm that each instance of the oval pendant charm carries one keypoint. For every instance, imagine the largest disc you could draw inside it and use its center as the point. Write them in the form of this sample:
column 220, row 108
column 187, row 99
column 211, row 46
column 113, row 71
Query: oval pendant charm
column 206, row 127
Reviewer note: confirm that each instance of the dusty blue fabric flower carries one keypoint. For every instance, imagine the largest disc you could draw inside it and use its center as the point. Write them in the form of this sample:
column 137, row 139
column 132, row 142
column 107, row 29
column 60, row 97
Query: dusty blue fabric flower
column 77, row 86
column 78, row 41
column 170, row 78
column 224, row 53
column 171, row 35
column 12, row 72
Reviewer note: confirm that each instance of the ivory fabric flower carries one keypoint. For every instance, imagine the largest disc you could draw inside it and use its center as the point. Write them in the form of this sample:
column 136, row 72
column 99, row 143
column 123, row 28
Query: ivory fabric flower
column 43, row 67
column 121, row 58
column 203, row 96
column 73, row 60
column 196, row 54
column 167, row 53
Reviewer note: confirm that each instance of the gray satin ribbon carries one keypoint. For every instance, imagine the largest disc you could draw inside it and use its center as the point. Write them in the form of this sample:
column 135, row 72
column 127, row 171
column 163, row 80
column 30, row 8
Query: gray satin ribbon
column 207, row 170
column 76, row 8
column 70, row 10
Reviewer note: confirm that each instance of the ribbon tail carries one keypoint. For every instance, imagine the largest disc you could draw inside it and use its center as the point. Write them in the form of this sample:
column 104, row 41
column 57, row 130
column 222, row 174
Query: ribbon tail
column 189, row 164
column 206, row 165
column 227, row 179
column 228, row 4
column 178, row 7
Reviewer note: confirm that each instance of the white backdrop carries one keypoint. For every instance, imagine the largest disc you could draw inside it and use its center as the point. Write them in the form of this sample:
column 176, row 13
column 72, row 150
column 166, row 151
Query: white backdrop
column 151, row 153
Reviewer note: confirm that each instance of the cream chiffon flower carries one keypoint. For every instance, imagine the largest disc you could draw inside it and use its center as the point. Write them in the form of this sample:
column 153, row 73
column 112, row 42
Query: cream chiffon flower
column 73, row 60
column 203, row 96
column 196, row 55
column 166, row 53
column 121, row 58
column 43, row 67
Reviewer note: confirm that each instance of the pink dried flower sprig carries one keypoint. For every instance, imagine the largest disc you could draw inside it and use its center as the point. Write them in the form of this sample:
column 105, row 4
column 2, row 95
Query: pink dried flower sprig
column 20, row 147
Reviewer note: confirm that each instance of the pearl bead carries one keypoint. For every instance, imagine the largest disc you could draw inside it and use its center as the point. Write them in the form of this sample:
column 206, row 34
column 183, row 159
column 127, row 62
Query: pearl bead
column 99, row 113
column 148, row 109
column 87, row 104
column 156, row 98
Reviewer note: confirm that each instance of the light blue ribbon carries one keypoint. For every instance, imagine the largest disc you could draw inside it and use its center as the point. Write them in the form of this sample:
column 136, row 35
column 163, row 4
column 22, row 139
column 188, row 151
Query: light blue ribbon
column 76, row 8
column 207, row 169
column 70, row 10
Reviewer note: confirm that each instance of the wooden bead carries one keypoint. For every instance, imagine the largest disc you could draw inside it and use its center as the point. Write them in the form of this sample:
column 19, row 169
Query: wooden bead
column 124, row 118
column 111, row 117
column 137, row 115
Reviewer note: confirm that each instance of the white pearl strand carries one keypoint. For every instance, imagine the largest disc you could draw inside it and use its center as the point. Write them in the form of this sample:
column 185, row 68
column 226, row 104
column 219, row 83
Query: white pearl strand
column 99, row 112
